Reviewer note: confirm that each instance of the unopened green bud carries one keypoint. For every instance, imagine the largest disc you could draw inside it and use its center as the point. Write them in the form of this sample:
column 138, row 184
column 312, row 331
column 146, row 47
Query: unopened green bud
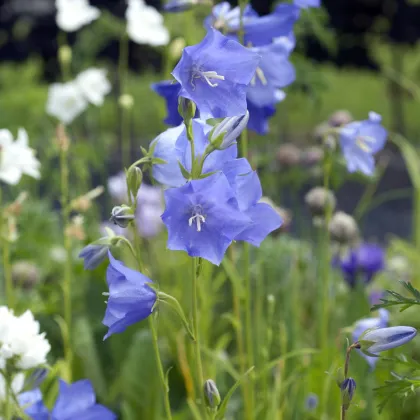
column 126, row 101
column 65, row 54
column 134, row 180
column 122, row 215
column 212, row 394
column 186, row 108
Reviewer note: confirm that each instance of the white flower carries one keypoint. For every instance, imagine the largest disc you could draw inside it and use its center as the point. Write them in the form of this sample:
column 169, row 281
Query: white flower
column 65, row 101
column 16, row 158
column 94, row 85
column 21, row 341
column 16, row 385
column 145, row 24
column 73, row 14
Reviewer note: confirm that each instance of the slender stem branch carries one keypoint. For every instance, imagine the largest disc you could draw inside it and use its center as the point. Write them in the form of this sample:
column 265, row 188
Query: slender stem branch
column 125, row 116
column 153, row 329
column 343, row 413
column 65, row 212
column 7, row 268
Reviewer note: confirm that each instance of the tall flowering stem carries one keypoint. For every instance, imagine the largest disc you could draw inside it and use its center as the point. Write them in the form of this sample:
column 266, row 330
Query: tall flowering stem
column 63, row 143
column 7, row 269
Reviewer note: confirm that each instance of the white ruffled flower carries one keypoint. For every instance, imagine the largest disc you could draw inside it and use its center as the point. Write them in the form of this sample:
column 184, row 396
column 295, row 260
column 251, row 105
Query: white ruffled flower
column 21, row 340
column 16, row 158
column 73, row 14
column 17, row 384
column 145, row 24
column 65, row 101
column 94, row 85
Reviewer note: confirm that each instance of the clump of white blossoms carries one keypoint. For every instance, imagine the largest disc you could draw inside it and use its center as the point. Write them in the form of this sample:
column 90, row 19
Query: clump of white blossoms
column 74, row 14
column 145, row 24
column 66, row 101
column 22, row 346
column 16, row 157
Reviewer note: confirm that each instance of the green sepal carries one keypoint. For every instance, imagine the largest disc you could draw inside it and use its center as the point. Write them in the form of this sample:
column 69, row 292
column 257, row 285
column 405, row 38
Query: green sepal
column 184, row 171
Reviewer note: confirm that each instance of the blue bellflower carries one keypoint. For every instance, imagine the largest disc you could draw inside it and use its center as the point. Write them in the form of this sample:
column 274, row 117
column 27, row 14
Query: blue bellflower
column 383, row 339
column 360, row 141
column 169, row 90
column 203, row 217
column 175, row 6
column 365, row 261
column 274, row 71
column 215, row 74
column 304, row 4
column 248, row 192
column 367, row 323
column 173, row 146
column 130, row 299
column 76, row 401
column 93, row 255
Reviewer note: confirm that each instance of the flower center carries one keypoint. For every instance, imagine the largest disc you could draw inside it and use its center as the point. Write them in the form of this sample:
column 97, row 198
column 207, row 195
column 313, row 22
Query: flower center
column 259, row 75
column 365, row 142
column 197, row 217
column 208, row 76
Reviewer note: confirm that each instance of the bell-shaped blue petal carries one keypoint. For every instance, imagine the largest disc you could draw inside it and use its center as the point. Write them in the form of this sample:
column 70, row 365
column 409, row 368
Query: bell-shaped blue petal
column 169, row 90
column 77, row 401
column 215, row 74
column 381, row 321
column 93, row 255
column 382, row 339
column 203, row 217
column 32, row 404
column 274, row 71
column 130, row 299
column 360, row 140
column 303, row 4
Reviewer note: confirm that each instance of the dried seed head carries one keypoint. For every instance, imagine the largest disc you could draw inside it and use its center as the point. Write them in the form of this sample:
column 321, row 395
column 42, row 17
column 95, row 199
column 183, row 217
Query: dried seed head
column 339, row 118
column 343, row 228
column 320, row 200
column 288, row 155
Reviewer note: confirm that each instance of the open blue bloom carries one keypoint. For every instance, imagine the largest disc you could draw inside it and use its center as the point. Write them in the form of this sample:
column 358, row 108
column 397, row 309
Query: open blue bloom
column 175, row 6
column 173, row 146
column 383, row 339
column 130, row 299
column 365, row 261
column 274, row 71
column 259, row 115
column 215, row 75
column 307, row 3
column 360, row 141
column 203, row 217
column 367, row 323
column 76, row 401
column 93, row 255
column 248, row 191
column 169, row 90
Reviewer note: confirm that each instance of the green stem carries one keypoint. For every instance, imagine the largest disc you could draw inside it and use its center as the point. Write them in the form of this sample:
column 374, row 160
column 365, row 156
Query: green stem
column 65, row 212
column 8, row 411
column 153, row 329
column 196, row 266
column 10, row 296
column 125, row 113
column 64, row 65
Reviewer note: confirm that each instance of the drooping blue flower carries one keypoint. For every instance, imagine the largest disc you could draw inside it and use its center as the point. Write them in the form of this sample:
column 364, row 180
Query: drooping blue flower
column 274, row 71
column 248, row 191
column 93, row 255
column 76, row 401
column 383, row 339
column 215, row 75
column 360, row 141
column 259, row 115
column 365, row 261
column 173, row 146
column 381, row 321
column 130, row 299
column 203, row 217
column 303, row 4
column 175, row 6
column 169, row 90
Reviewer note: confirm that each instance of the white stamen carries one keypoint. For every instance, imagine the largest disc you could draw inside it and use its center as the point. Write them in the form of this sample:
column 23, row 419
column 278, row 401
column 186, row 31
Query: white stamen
column 259, row 74
column 198, row 218
column 212, row 75
column 363, row 143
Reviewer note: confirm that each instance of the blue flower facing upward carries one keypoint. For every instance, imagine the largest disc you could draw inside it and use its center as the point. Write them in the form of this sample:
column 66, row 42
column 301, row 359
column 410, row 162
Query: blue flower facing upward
column 173, row 147
column 381, row 321
column 130, row 299
column 365, row 261
column 360, row 141
column 203, row 217
column 76, row 401
column 215, row 74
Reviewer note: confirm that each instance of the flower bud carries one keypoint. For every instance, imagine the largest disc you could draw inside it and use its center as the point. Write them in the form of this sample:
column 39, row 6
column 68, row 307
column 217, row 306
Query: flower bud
column 186, row 108
column 343, row 228
column 225, row 133
column 65, row 54
column 348, row 386
column 134, row 180
column 122, row 215
column 211, row 394
column 93, row 255
column 339, row 118
column 382, row 339
column 25, row 274
column 319, row 200
column 288, row 155
column 311, row 402
column 126, row 101
column 176, row 47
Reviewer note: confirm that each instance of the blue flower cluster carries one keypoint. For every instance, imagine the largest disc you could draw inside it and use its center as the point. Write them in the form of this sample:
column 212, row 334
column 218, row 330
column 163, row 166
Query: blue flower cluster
column 225, row 78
